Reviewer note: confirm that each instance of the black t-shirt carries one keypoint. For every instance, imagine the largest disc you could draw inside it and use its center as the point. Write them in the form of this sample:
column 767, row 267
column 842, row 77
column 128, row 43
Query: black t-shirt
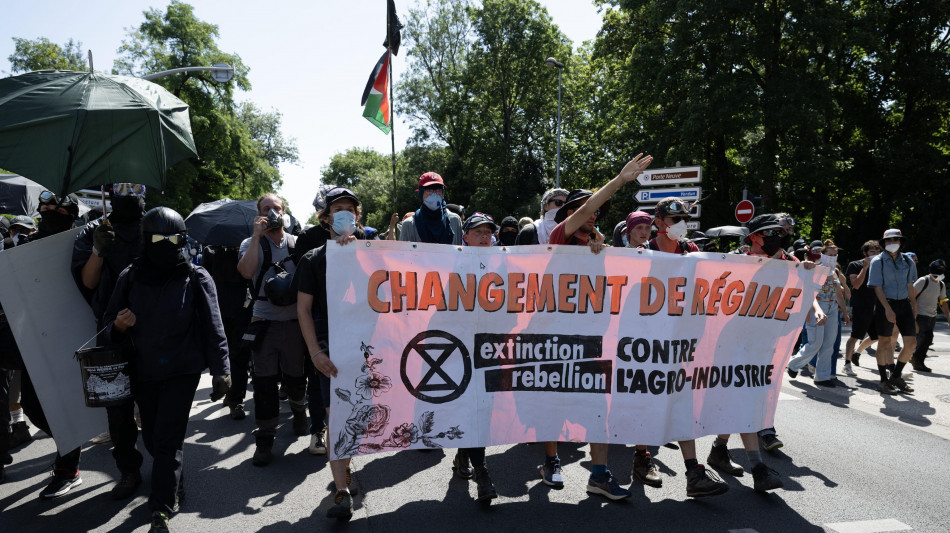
column 312, row 279
column 861, row 294
column 315, row 237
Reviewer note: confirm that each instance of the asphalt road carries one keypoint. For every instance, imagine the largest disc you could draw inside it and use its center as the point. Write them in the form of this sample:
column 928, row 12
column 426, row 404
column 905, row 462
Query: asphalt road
column 853, row 461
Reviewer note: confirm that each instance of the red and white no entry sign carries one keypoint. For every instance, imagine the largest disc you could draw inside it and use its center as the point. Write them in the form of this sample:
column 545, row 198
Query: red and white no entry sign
column 744, row 211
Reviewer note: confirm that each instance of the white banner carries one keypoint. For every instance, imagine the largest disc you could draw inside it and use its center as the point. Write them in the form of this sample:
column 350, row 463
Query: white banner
column 456, row 347
column 51, row 320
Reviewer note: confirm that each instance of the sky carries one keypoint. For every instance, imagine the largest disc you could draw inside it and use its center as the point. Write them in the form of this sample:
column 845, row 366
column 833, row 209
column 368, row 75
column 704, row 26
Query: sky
column 308, row 59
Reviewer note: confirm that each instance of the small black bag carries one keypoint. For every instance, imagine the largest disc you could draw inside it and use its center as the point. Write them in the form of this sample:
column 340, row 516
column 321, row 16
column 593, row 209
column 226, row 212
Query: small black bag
column 281, row 289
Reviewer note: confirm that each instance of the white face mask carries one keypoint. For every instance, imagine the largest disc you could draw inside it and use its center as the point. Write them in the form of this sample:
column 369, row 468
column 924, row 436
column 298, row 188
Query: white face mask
column 550, row 214
column 828, row 260
column 939, row 277
column 893, row 247
column 677, row 231
column 344, row 223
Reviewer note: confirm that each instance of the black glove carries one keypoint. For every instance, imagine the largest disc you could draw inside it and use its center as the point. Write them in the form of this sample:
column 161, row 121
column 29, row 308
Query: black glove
column 220, row 385
column 103, row 239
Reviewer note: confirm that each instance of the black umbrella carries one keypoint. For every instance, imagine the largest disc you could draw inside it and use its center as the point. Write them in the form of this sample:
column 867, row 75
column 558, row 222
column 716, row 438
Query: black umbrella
column 223, row 222
column 727, row 231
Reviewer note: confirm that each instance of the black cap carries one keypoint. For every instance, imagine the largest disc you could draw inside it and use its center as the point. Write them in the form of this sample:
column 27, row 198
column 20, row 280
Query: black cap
column 815, row 244
column 575, row 199
column 339, row 193
column 478, row 219
column 509, row 222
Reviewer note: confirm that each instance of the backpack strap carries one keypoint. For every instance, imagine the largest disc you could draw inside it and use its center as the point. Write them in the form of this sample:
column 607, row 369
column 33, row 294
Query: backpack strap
column 265, row 266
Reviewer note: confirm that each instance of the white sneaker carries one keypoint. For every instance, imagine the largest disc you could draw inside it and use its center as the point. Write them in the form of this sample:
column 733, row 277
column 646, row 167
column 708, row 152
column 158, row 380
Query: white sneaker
column 811, row 369
column 848, row 371
column 318, row 443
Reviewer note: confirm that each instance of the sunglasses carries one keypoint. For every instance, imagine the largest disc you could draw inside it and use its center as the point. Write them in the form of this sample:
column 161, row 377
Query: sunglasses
column 557, row 202
column 433, row 188
column 676, row 207
column 772, row 233
column 48, row 197
column 174, row 238
column 128, row 189
column 678, row 219
column 893, row 239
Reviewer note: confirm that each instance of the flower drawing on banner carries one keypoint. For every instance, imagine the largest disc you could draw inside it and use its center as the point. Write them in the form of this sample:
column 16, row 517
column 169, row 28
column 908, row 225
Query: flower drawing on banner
column 370, row 419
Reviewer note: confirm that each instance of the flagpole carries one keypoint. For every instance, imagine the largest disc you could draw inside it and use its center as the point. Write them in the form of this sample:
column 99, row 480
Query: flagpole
column 392, row 129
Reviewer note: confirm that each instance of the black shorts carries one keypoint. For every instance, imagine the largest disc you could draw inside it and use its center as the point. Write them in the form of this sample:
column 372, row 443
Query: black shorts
column 862, row 322
column 906, row 323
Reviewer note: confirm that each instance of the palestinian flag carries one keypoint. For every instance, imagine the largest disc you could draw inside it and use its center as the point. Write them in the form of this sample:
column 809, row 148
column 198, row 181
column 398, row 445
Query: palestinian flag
column 376, row 95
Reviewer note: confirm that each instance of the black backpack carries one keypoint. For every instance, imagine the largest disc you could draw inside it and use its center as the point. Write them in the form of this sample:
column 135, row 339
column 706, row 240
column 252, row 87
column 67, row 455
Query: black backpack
column 281, row 288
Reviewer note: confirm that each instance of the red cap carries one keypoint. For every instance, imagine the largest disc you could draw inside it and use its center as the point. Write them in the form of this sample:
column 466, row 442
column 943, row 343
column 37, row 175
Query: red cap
column 430, row 178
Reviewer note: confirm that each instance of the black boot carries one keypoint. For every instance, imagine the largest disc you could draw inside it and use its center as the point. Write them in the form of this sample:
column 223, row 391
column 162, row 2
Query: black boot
column 486, row 489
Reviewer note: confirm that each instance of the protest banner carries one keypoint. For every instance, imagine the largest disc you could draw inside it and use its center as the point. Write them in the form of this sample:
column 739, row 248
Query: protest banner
column 456, row 347
column 50, row 321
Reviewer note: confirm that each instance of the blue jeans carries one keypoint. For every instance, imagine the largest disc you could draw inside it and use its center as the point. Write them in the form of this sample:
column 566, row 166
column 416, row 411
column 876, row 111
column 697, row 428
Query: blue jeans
column 820, row 342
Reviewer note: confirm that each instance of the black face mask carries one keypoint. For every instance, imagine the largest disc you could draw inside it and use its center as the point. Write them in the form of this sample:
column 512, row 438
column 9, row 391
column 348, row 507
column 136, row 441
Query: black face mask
column 53, row 221
column 127, row 209
column 507, row 237
column 163, row 256
column 772, row 244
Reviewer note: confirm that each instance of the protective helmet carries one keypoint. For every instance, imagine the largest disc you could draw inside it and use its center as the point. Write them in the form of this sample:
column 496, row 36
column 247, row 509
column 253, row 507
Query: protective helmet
column 163, row 220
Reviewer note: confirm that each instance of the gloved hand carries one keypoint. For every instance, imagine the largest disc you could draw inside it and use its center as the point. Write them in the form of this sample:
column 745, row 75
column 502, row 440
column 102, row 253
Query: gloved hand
column 220, row 385
column 103, row 239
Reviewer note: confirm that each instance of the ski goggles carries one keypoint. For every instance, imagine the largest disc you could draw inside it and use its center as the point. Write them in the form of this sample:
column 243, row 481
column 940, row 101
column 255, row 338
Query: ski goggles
column 675, row 207
column 47, row 197
column 174, row 238
column 128, row 189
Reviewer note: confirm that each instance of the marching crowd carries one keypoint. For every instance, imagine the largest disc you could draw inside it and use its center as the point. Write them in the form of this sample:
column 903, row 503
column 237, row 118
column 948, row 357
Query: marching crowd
column 261, row 311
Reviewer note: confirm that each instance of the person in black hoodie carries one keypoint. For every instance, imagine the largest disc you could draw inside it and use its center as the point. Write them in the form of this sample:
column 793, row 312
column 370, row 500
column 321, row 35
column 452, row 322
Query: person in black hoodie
column 168, row 308
column 102, row 250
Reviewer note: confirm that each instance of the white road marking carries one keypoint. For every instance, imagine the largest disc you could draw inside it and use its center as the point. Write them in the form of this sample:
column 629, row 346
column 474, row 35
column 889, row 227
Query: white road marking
column 869, row 526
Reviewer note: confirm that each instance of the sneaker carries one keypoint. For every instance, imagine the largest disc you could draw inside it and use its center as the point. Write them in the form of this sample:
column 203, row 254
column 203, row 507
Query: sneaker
column 342, row 508
column 318, row 443
column 770, row 442
column 848, row 371
column 551, row 474
column 20, row 434
column 792, row 373
column 179, row 495
column 126, row 485
column 159, row 522
column 237, row 412
column 461, row 465
column 486, row 489
column 765, row 478
column 900, row 384
column 811, row 369
column 59, row 486
column 919, row 366
column 301, row 425
column 262, row 455
column 886, row 388
column 703, row 482
column 855, row 358
column 607, row 486
column 720, row 459
column 830, row 383
column 645, row 470
column 101, row 438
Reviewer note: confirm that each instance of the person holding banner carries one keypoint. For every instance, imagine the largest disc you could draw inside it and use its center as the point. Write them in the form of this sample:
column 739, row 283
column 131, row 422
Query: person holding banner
column 341, row 214
column 576, row 221
column 432, row 222
column 670, row 219
column 169, row 309
column 638, row 229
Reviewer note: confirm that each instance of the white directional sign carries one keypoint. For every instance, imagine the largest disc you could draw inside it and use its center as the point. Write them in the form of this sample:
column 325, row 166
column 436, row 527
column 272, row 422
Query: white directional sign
column 670, row 176
column 652, row 196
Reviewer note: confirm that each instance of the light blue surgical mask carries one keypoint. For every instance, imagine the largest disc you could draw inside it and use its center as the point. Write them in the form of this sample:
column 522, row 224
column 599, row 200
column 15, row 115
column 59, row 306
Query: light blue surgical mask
column 344, row 223
column 433, row 202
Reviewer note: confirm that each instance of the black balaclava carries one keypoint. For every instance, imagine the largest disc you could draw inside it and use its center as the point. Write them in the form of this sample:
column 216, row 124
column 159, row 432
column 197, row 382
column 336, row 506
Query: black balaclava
column 52, row 221
column 507, row 238
column 127, row 209
column 771, row 244
column 160, row 260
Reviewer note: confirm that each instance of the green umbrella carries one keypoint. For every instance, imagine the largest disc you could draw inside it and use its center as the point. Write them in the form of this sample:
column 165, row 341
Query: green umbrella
column 72, row 130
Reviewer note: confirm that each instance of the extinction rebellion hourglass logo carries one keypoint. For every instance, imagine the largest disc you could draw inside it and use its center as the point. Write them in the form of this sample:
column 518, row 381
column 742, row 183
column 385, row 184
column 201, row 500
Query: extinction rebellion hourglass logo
column 445, row 363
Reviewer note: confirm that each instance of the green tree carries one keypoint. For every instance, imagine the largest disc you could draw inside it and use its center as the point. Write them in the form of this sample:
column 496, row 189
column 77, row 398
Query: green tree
column 239, row 146
column 42, row 54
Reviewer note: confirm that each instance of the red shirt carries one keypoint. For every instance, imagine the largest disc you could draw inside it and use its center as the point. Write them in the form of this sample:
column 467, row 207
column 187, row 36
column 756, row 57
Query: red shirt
column 557, row 236
column 690, row 246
